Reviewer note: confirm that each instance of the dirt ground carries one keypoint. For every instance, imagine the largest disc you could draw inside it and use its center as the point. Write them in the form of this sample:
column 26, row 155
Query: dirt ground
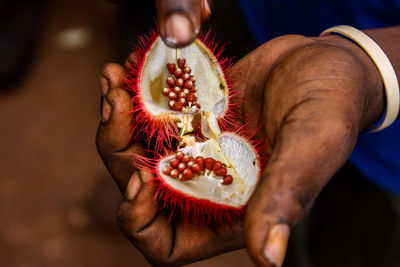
column 57, row 200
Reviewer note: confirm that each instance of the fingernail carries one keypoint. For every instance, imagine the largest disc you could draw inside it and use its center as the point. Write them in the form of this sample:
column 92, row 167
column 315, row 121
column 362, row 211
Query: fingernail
column 106, row 109
column 104, row 85
column 276, row 245
column 178, row 29
column 133, row 187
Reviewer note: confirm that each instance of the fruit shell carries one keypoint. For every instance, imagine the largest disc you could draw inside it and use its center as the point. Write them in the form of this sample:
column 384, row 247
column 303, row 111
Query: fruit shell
column 161, row 131
column 192, row 209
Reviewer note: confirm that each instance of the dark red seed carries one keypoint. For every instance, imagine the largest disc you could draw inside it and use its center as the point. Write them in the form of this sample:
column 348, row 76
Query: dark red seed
column 179, row 82
column 167, row 170
column 192, row 78
column 197, row 169
column 181, row 62
column 180, row 155
column 177, row 106
column 172, row 95
column 171, row 103
column 174, row 173
column 178, row 72
column 191, row 97
column 209, row 163
column 187, row 70
column 185, row 159
column 181, row 166
column 221, row 171
column 183, row 101
column 217, row 165
column 186, row 91
column 185, row 76
column 182, row 94
column 190, row 164
column 188, row 84
column 180, row 177
column 171, row 67
column 174, row 163
column 188, row 174
column 197, row 105
column 176, row 90
column 171, row 81
column 200, row 161
column 228, row 179
column 166, row 91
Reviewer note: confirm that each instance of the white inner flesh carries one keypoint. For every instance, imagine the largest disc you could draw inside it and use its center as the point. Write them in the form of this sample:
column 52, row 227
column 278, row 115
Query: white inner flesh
column 209, row 78
column 232, row 150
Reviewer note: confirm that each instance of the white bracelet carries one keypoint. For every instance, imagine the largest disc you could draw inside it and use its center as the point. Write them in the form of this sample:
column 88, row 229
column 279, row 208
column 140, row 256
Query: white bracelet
column 382, row 63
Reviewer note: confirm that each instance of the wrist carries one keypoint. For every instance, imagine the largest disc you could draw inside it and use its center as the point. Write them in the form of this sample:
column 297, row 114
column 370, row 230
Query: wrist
column 372, row 94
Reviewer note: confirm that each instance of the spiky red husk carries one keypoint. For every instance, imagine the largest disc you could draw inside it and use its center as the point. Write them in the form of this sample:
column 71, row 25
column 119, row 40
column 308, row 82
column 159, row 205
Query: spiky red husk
column 161, row 131
column 189, row 208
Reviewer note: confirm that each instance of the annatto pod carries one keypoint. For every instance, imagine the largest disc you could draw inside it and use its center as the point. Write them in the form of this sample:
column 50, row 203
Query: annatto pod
column 183, row 94
column 170, row 86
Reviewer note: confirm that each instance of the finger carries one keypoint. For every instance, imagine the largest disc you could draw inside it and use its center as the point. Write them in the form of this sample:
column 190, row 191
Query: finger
column 180, row 20
column 139, row 218
column 138, row 208
column 113, row 135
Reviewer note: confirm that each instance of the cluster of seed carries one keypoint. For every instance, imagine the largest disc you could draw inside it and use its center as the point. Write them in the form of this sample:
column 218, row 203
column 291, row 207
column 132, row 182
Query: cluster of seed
column 185, row 168
column 181, row 89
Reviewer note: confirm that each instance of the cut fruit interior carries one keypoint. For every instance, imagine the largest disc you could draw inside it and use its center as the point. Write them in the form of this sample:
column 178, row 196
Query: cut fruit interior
column 241, row 162
column 182, row 102
column 211, row 86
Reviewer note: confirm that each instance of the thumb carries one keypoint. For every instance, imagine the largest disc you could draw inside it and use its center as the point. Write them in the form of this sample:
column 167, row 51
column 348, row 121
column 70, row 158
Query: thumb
column 296, row 173
column 277, row 205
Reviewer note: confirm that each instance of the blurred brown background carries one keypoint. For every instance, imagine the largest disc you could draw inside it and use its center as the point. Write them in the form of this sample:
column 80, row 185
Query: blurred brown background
column 57, row 200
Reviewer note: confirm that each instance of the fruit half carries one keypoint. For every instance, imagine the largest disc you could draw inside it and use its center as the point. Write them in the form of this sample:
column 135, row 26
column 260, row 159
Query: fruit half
column 210, row 181
column 165, row 106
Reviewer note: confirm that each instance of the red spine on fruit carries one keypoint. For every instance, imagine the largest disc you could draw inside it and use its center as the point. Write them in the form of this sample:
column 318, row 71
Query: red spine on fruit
column 163, row 131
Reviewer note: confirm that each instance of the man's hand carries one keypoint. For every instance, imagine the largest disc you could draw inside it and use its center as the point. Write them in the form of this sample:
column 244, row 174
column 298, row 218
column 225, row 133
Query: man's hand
column 161, row 242
column 318, row 94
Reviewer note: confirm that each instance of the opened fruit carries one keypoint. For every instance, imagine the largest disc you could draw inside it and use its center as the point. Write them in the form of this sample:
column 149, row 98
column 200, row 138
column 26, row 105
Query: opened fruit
column 204, row 171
